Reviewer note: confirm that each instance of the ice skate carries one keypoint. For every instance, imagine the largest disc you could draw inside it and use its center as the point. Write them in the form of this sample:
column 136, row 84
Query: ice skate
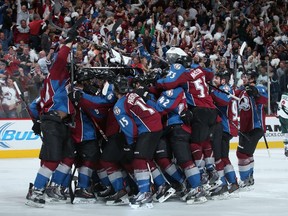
column 119, row 198
column 180, row 188
column 54, row 194
column 35, row 197
column 142, row 200
column 247, row 184
column 83, row 196
column 233, row 190
column 196, row 196
column 220, row 193
column 108, row 191
column 214, row 180
column 164, row 192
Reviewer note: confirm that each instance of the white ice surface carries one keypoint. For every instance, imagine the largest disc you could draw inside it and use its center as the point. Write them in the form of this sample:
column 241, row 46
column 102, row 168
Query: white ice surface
column 269, row 197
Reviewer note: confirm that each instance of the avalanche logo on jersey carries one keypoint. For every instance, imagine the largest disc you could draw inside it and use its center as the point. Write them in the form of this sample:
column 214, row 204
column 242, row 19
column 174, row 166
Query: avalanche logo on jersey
column 116, row 110
column 244, row 104
column 169, row 93
column 177, row 66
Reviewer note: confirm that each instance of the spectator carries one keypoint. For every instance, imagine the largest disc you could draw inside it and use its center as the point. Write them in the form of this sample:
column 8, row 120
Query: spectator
column 46, row 40
column 44, row 61
column 2, row 70
column 7, row 21
column 38, row 76
column 13, row 61
column 25, row 60
column 9, row 99
column 263, row 77
column 35, row 30
column 21, row 33
column 22, row 12
column 5, row 41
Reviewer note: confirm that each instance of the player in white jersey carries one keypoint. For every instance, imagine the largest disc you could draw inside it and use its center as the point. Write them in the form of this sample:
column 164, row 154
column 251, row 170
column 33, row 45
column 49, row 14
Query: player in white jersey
column 282, row 114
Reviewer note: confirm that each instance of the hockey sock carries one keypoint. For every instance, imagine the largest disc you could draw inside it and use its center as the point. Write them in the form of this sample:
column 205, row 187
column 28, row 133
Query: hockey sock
column 116, row 180
column 170, row 168
column 208, row 155
column 142, row 175
column 175, row 173
column 157, row 176
column 198, row 157
column 84, row 176
column 192, row 174
column 67, row 180
column 42, row 177
column 60, row 174
column 229, row 171
column 103, row 177
column 243, row 165
column 219, row 164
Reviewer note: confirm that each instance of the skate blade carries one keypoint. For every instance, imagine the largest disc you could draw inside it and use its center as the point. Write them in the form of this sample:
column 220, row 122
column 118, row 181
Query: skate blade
column 119, row 203
column 55, row 201
column 223, row 196
column 199, row 200
column 247, row 188
column 141, row 206
column 33, row 204
column 78, row 200
column 167, row 195
column 234, row 194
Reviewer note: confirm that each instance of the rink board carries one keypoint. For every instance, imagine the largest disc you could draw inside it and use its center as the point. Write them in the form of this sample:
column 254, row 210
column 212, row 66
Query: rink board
column 17, row 140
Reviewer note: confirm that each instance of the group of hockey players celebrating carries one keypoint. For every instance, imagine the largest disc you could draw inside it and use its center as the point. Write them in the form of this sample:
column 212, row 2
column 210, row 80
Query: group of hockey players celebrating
column 135, row 138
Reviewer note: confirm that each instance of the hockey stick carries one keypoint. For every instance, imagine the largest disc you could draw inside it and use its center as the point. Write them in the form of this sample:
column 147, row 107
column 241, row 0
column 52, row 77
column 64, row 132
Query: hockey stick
column 22, row 98
column 242, row 48
column 71, row 192
column 227, row 93
column 26, row 104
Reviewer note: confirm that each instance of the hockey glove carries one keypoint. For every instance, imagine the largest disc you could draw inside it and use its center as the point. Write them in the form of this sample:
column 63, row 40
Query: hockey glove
column 143, row 93
column 75, row 97
column 36, row 127
column 252, row 91
column 186, row 116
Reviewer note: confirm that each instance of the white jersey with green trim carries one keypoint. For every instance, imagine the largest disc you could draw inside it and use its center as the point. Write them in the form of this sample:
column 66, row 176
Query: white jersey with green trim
column 283, row 106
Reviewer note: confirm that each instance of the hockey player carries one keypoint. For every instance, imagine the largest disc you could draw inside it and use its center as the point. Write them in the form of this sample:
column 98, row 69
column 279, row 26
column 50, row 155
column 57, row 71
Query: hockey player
column 224, row 131
column 173, row 103
column 55, row 109
column 142, row 127
column 84, row 134
column 95, row 106
column 282, row 114
column 252, row 126
column 163, row 156
column 193, row 81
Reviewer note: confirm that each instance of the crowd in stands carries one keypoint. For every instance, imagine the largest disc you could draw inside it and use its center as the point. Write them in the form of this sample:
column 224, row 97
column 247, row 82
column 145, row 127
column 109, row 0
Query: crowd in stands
column 31, row 31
